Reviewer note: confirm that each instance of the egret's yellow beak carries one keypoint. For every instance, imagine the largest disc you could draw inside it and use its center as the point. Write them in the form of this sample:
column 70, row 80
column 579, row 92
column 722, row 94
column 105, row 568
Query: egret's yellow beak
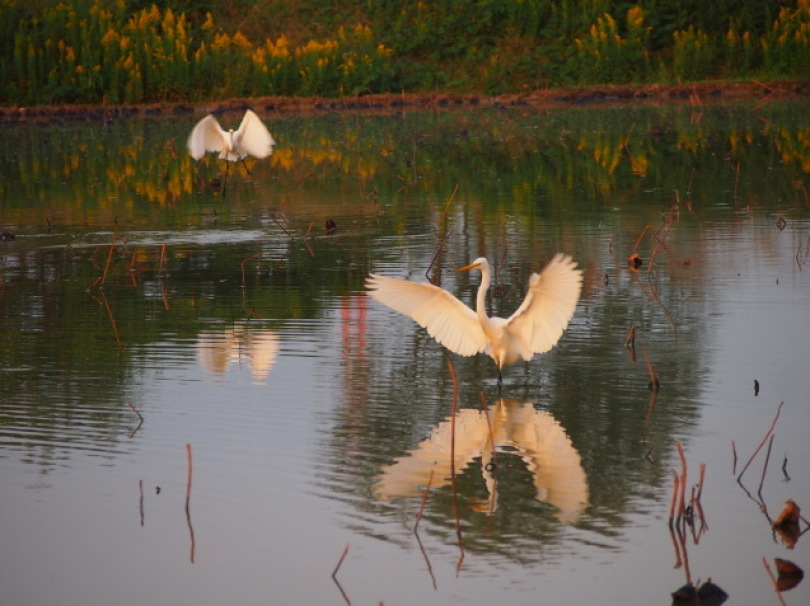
column 468, row 267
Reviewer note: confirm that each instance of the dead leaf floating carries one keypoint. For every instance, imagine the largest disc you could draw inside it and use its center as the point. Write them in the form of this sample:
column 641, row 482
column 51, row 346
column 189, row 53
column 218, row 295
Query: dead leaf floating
column 790, row 515
column 789, row 575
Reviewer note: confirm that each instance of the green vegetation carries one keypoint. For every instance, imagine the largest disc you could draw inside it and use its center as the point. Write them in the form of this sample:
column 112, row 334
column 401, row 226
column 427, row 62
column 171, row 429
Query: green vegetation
column 128, row 51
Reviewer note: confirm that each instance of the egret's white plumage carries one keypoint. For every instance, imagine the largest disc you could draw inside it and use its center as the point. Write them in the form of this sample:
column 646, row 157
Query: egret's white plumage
column 251, row 139
column 534, row 328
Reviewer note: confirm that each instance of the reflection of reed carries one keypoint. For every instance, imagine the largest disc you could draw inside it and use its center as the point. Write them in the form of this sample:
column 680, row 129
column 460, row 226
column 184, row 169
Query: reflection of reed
column 334, row 575
column 509, row 427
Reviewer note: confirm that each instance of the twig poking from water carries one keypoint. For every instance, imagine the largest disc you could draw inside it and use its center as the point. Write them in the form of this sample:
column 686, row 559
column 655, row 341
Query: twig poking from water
column 162, row 264
column 335, row 571
column 416, row 530
column 188, row 504
column 762, row 443
column 447, row 205
column 493, row 467
column 702, row 475
column 765, row 466
column 675, row 492
column 250, row 258
column 734, row 452
column 682, row 497
column 784, row 469
column 109, row 255
column 140, row 501
column 654, row 384
column 113, row 323
column 453, row 464
column 135, row 410
column 140, row 416
column 424, row 501
column 773, row 580
column 441, row 235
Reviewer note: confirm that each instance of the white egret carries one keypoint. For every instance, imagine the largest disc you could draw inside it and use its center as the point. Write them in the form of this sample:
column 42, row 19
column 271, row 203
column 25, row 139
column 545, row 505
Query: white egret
column 534, row 328
column 251, row 139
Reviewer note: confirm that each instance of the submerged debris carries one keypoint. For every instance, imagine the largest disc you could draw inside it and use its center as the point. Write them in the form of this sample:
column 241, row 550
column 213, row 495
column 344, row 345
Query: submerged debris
column 707, row 594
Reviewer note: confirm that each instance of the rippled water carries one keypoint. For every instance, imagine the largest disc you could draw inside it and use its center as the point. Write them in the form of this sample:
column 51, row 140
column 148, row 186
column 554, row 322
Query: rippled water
column 288, row 420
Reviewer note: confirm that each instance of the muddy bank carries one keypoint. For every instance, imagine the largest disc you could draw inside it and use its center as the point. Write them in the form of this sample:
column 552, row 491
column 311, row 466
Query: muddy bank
column 698, row 94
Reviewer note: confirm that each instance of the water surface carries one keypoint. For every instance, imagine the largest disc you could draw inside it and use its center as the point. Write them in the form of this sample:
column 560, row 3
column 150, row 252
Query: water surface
column 287, row 418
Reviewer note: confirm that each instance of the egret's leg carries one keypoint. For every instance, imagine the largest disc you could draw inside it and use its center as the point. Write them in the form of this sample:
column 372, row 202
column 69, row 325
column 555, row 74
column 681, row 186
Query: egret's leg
column 246, row 168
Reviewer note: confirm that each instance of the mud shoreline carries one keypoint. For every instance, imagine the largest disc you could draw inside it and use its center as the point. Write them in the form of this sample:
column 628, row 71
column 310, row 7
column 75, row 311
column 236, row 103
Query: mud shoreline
column 696, row 95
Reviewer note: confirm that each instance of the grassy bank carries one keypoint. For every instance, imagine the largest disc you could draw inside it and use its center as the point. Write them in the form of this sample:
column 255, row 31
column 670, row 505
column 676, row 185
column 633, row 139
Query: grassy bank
column 130, row 52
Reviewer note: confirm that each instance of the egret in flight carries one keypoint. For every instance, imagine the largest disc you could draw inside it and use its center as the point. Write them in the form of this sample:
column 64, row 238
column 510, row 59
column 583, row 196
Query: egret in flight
column 534, row 328
column 251, row 139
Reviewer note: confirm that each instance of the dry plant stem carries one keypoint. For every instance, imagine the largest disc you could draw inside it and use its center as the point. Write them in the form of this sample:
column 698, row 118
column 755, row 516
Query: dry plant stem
column 773, row 580
column 453, row 464
column 140, row 501
column 702, row 475
column 109, row 255
column 282, row 228
column 424, row 501
column 650, row 408
column 135, row 410
column 762, row 443
column 734, row 452
column 765, row 466
column 675, row 492
column 188, row 504
column 250, row 258
column 340, row 560
column 649, row 366
column 113, row 323
column 162, row 264
column 447, row 205
column 485, row 407
column 416, row 530
column 335, row 571
column 683, row 480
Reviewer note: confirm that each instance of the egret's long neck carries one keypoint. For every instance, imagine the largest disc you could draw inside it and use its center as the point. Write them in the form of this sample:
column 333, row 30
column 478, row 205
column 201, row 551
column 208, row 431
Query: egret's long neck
column 481, row 299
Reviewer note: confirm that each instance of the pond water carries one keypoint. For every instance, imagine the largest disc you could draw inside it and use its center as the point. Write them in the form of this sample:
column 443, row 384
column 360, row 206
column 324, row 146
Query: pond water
column 290, row 424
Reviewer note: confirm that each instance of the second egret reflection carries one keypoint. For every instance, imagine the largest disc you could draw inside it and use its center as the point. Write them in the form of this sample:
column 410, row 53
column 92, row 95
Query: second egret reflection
column 510, row 427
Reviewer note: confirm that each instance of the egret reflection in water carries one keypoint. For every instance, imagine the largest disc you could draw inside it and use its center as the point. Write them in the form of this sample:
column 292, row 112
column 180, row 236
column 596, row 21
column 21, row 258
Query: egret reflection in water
column 238, row 345
column 516, row 428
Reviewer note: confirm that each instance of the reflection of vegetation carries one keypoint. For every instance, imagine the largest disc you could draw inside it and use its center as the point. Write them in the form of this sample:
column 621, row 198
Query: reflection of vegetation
column 114, row 51
column 115, row 171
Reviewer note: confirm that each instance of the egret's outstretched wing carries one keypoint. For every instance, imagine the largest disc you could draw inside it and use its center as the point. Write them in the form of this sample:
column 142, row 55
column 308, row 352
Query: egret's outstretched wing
column 446, row 319
column 206, row 136
column 549, row 304
column 253, row 138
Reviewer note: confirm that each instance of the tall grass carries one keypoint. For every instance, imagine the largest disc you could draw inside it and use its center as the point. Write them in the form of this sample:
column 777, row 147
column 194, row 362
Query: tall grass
column 97, row 51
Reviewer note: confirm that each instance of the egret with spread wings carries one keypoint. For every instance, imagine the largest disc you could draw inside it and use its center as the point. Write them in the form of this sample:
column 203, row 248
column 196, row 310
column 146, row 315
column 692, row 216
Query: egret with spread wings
column 534, row 328
column 251, row 139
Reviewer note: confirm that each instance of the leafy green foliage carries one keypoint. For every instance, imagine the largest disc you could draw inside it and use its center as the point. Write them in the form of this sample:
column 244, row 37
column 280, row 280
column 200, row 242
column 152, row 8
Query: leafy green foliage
column 92, row 51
